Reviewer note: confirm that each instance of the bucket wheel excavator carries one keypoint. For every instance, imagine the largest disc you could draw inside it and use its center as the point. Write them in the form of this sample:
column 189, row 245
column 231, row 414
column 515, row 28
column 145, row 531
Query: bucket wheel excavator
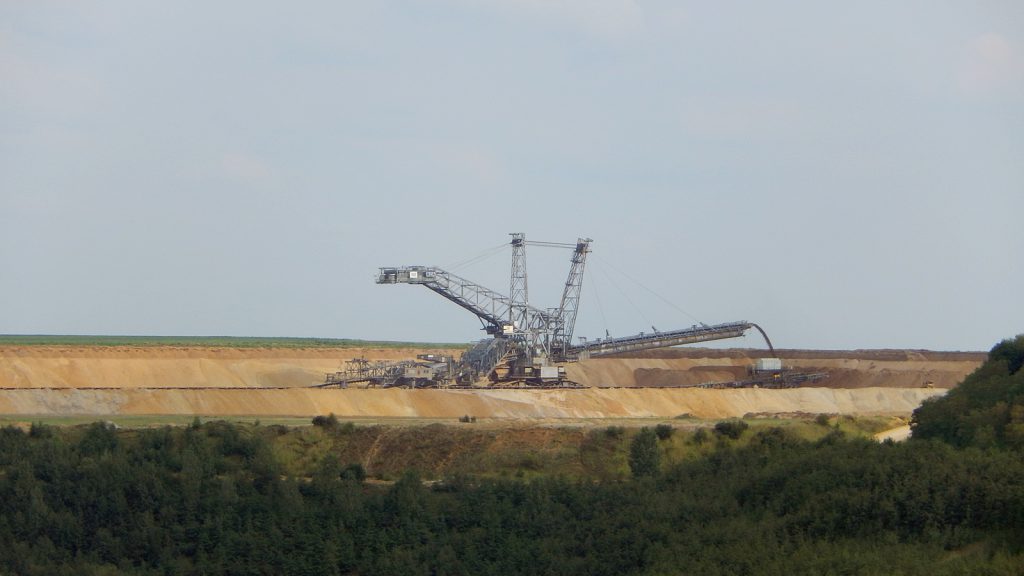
column 528, row 345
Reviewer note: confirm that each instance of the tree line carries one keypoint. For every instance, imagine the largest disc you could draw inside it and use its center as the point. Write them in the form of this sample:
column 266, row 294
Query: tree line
column 215, row 498
column 986, row 410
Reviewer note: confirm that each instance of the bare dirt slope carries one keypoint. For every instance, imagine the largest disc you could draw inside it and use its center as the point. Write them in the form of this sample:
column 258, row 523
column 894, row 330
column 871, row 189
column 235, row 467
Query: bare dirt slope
column 185, row 367
column 390, row 403
column 847, row 369
column 54, row 380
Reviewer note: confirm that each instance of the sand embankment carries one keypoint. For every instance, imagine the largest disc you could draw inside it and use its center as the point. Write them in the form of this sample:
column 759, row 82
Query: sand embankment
column 585, row 403
column 846, row 368
column 56, row 380
column 898, row 434
column 180, row 367
column 185, row 367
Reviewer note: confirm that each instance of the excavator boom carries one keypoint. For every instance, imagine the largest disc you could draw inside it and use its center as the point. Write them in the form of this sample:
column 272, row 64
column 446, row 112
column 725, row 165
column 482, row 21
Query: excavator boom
column 491, row 307
column 529, row 341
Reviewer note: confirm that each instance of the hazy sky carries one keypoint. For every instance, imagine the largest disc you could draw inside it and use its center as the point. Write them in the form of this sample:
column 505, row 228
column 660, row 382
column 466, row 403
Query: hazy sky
column 846, row 174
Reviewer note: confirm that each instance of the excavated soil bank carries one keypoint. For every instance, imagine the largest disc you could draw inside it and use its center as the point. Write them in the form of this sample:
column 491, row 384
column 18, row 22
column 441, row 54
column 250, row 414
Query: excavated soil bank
column 52, row 380
column 589, row 403
column 180, row 367
column 682, row 367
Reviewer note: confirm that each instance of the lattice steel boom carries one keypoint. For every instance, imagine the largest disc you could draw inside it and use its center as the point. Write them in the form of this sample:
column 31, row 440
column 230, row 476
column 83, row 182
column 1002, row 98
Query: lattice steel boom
column 529, row 340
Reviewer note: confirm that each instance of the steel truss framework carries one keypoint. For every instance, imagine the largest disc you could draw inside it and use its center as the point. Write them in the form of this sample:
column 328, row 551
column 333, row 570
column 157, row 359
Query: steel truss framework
column 529, row 340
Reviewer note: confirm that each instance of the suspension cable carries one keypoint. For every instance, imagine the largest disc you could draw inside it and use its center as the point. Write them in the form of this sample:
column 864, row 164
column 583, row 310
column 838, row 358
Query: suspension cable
column 640, row 284
column 626, row 296
column 549, row 244
column 488, row 253
column 592, row 285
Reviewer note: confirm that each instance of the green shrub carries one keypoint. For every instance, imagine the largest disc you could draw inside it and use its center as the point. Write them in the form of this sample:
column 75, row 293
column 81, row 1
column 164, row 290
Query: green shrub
column 354, row 472
column 329, row 422
column 644, row 458
column 614, row 431
column 700, row 436
column 40, row 430
column 731, row 428
column 664, row 431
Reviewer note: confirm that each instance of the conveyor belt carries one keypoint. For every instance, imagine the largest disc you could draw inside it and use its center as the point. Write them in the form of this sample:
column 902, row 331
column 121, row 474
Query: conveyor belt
column 702, row 333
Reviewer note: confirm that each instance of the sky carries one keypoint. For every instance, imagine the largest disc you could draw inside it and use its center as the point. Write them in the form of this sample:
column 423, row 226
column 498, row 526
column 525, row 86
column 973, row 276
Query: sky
column 846, row 175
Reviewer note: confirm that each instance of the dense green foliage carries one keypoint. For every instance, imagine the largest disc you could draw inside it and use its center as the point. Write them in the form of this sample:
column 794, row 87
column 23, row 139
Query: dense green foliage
column 209, row 342
column 986, row 410
column 731, row 428
column 214, row 498
column 644, row 457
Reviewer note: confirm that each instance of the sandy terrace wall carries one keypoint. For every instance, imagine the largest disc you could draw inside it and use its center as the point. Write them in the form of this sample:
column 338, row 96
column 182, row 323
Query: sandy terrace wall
column 148, row 367
column 590, row 403
column 859, row 369
column 49, row 380
column 163, row 366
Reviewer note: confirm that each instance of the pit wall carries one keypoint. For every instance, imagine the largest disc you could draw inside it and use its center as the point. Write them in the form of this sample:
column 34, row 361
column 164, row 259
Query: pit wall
column 846, row 369
column 160, row 367
column 392, row 403
column 54, row 380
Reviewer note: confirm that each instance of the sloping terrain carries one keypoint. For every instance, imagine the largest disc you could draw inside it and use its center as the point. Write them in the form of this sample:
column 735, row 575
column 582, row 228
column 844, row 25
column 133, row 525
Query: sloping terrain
column 390, row 403
column 55, row 380
column 846, row 369
column 185, row 367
